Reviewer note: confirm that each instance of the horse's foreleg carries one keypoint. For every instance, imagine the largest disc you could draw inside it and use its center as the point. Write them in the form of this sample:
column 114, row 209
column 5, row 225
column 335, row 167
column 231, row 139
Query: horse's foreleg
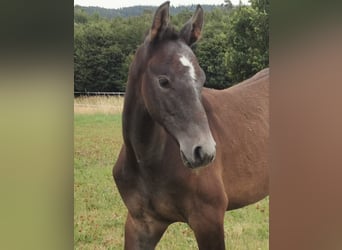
column 207, row 225
column 143, row 233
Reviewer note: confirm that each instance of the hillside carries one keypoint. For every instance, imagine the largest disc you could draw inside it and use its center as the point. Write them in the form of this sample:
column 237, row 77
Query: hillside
column 138, row 10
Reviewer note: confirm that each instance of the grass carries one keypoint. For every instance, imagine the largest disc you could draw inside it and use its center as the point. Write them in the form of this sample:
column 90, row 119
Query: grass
column 99, row 213
column 98, row 104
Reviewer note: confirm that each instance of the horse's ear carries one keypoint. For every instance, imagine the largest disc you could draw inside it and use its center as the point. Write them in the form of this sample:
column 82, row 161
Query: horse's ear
column 192, row 30
column 160, row 21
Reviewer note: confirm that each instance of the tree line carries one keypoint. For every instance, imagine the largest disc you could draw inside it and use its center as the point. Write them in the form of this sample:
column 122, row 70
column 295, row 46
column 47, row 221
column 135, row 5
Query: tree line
column 234, row 45
column 136, row 10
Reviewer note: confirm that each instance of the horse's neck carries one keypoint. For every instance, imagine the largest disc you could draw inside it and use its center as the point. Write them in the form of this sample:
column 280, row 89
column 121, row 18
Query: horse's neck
column 142, row 134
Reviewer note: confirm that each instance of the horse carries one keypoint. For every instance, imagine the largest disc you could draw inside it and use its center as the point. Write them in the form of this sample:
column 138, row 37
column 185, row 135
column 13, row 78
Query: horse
column 189, row 153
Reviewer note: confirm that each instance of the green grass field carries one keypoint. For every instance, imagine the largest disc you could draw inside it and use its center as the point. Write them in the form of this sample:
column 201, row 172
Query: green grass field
column 99, row 213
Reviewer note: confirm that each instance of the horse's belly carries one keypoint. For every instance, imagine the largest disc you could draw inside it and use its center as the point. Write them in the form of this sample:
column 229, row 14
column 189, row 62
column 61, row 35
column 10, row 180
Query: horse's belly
column 245, row 191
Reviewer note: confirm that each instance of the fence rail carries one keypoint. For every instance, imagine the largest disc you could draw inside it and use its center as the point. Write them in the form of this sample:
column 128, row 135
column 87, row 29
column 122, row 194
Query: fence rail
column 77, row 93
column 94, row 105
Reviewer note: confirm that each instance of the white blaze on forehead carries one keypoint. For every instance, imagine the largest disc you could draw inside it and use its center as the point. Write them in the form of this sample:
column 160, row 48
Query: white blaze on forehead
column 187, row 63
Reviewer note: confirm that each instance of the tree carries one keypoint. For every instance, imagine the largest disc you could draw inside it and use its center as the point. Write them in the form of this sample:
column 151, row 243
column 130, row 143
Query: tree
column 80, row 16
column 97, row 58
column 211, row 49
column 234, row 45
column 228, row 4
column 261, row 5
column 248, row 40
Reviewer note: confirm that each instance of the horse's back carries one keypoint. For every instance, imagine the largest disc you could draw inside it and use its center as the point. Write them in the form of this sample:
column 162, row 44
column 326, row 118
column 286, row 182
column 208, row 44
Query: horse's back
column 238, row 117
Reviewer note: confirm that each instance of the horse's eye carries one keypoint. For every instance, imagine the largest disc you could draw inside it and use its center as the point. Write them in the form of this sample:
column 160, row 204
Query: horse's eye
column 163, row 81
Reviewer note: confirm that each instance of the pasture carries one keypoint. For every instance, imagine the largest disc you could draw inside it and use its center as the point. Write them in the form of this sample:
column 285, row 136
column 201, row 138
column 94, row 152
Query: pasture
column 99, row 213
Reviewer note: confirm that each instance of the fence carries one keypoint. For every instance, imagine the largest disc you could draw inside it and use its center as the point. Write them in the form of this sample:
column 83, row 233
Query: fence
column 77, row 93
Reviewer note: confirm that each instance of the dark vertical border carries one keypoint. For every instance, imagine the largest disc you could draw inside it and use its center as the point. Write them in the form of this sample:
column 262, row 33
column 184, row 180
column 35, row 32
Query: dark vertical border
column 306, row 122
column 36, row 128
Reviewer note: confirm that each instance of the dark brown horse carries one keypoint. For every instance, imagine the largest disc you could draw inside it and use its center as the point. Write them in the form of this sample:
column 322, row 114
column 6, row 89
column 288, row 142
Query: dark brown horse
column 173, row 127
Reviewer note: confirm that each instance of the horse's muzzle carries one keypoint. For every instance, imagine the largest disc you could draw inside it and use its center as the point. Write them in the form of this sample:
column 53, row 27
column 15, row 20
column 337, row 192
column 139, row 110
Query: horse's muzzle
column 201, row 156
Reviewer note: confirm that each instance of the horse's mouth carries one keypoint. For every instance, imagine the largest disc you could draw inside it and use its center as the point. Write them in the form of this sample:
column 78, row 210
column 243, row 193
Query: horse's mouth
column 185, row 161
column 195, row 164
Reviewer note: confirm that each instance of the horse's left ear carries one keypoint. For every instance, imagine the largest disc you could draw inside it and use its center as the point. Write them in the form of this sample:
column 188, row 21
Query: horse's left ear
column 192, row 30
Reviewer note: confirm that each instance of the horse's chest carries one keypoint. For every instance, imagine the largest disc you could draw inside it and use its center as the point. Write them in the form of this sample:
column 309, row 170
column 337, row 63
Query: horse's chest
column 151, row 200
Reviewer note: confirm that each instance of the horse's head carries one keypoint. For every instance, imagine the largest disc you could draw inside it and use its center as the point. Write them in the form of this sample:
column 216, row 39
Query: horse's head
column 172, row 83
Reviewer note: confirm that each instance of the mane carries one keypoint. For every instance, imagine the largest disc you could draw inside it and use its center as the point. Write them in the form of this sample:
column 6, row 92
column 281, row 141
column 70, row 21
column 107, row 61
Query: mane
column 170, row 33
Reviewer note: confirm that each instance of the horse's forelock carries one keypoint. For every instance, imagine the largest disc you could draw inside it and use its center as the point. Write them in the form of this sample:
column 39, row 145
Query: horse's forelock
column 169, row 33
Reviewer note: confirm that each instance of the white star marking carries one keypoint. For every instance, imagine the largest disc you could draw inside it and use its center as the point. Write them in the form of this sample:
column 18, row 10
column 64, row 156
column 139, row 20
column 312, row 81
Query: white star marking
column 187, row 63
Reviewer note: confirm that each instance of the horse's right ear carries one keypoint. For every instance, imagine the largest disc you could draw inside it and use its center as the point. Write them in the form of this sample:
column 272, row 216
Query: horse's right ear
column 160, row 21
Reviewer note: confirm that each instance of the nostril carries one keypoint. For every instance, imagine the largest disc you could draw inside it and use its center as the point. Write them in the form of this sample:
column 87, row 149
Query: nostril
column 198, row 153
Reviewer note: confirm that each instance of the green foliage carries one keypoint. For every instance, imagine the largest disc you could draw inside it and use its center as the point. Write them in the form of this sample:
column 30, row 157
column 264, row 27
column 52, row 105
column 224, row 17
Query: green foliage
column 233, row 47
column 248, row 40
column 103, row 51
column 138, row 10
column 212, row 48
column 261, row 5
column 80, row 16
column 97, row 59
column 228, row 4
